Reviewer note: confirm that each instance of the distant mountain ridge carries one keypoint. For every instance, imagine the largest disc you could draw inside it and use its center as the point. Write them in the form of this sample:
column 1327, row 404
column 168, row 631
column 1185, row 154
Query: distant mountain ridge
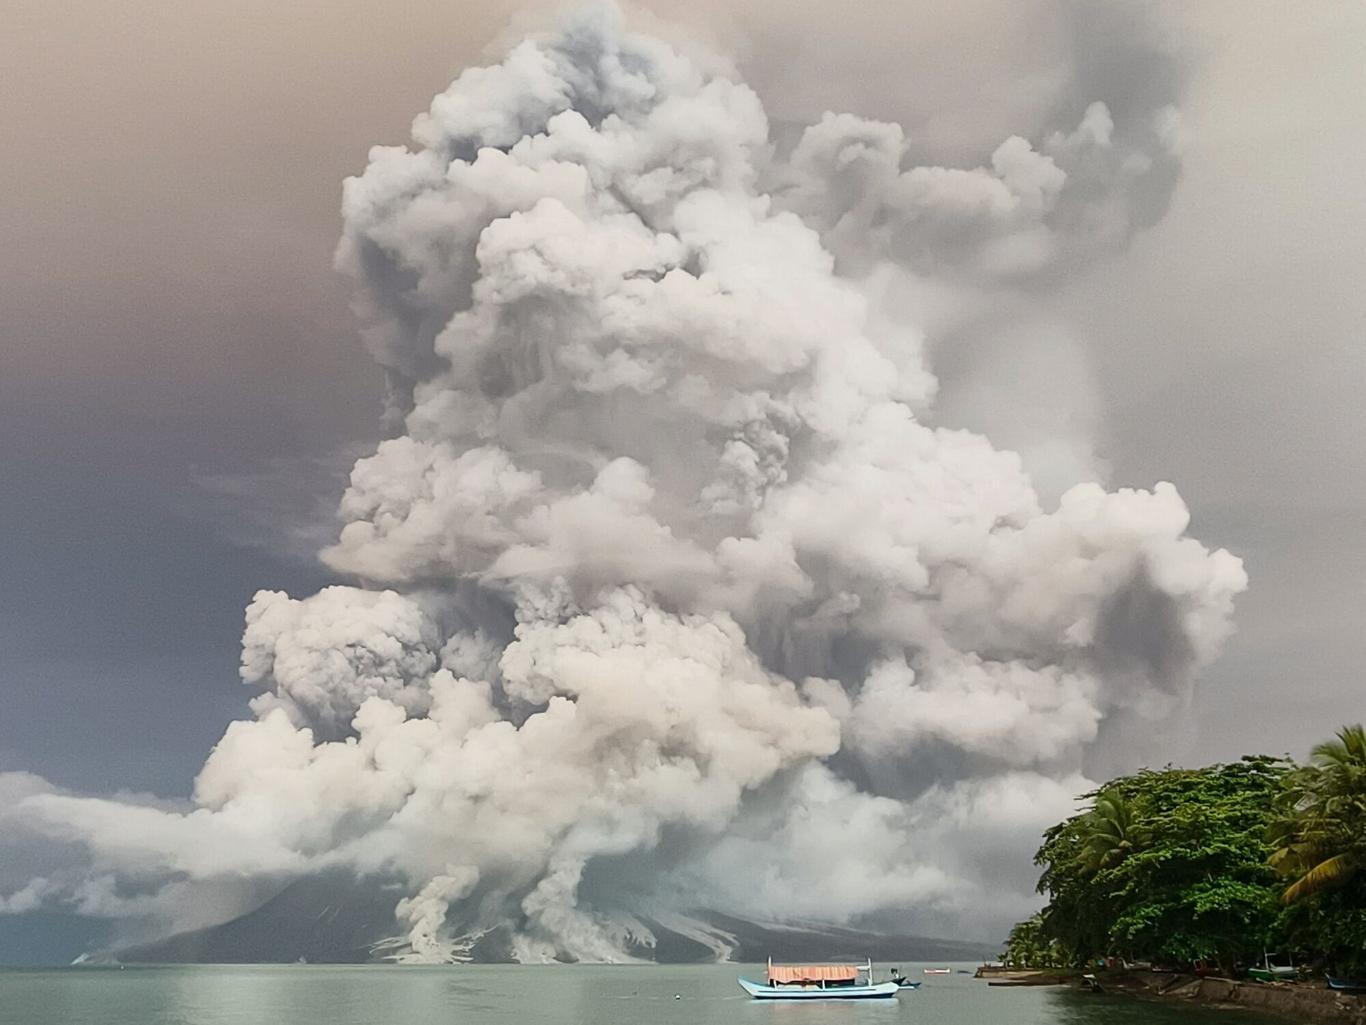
column 342, row 920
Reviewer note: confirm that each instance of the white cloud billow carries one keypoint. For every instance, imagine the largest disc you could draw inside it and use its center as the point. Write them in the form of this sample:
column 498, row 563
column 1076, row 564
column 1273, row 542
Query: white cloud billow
column 667, row 558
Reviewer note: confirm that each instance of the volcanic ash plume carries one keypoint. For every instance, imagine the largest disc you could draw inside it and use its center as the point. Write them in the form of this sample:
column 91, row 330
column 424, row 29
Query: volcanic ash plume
column 669, row 593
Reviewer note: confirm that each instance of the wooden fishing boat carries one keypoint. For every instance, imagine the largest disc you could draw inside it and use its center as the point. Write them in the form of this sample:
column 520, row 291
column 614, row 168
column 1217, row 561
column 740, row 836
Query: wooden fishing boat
column 820, row 982
column 1347, row 985
column 1268, row 972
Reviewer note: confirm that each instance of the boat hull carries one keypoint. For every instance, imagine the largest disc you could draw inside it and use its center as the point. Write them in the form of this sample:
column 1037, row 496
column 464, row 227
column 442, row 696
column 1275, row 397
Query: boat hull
column 760, row 991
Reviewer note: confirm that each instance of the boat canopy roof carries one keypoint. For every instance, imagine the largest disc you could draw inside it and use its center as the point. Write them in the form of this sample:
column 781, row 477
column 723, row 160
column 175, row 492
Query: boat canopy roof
column 812, row 973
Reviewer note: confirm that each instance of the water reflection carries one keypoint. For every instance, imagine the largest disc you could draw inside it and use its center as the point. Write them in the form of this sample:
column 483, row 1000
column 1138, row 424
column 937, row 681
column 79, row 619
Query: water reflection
column 515, row 995
column 1069, row 1007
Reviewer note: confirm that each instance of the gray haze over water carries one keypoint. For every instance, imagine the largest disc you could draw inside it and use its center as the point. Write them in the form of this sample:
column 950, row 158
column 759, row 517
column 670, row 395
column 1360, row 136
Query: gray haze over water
column 184, row 390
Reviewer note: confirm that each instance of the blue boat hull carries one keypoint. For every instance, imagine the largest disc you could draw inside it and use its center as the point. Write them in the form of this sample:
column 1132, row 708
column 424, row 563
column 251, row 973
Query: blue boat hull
column 760, row 991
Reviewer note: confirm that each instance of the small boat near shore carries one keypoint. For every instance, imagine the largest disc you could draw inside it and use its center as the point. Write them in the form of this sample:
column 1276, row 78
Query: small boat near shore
column 1268, row 972
column 821, row 982
column 1347, row 985
column 938, row 971
column 1032, row 978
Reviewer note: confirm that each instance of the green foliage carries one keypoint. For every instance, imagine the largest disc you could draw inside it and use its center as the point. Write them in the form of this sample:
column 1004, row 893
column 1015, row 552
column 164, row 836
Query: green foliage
column 1331, row 928
column 1217, row 864
column 1110, row 832
column 1167, row 865
column 1028, row 947
column 1320, row 832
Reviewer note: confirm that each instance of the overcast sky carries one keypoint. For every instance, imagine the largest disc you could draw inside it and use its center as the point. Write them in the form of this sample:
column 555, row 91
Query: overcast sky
column 181, row 380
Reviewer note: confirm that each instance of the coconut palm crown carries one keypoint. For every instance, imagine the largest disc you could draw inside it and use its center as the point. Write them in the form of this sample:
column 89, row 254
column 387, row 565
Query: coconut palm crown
column 1320, row 836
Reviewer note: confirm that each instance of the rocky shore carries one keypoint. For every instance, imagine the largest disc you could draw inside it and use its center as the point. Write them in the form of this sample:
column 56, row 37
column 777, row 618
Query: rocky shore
column 1301, row 1003
column 1294, row 1002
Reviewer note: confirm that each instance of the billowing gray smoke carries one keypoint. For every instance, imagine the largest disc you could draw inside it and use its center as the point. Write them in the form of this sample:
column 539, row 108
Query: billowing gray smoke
column 669, row 591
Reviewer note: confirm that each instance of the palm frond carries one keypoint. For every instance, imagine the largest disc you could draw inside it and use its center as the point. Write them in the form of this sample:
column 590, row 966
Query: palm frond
column 1324, row 875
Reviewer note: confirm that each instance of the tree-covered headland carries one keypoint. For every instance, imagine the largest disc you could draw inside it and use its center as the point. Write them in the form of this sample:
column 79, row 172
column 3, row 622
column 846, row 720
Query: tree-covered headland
column 1214, row 865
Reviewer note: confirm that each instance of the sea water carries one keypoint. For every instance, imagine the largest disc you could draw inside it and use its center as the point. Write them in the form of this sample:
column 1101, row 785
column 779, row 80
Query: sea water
column 528, row 995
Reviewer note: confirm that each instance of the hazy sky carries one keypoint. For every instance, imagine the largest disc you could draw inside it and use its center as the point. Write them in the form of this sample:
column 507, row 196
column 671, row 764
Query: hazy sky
column 180, row 375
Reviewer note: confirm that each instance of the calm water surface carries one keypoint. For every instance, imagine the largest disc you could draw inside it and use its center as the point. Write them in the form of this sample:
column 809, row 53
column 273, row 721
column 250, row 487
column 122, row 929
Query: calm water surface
column 526, row 995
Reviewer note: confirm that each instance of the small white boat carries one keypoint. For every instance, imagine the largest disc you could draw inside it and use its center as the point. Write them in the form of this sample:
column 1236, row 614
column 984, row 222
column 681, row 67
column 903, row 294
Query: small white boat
column 938, row 971
column 820, row 982
column 1268, row 972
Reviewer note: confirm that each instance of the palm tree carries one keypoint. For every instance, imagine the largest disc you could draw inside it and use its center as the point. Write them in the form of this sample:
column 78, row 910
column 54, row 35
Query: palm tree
column 1320, row 837
column 1028, row 947
column 1110, row 832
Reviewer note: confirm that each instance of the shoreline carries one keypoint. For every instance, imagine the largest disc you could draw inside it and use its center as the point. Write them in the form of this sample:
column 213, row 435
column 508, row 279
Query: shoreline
column 1298, row 1003
column 1293, row 1002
